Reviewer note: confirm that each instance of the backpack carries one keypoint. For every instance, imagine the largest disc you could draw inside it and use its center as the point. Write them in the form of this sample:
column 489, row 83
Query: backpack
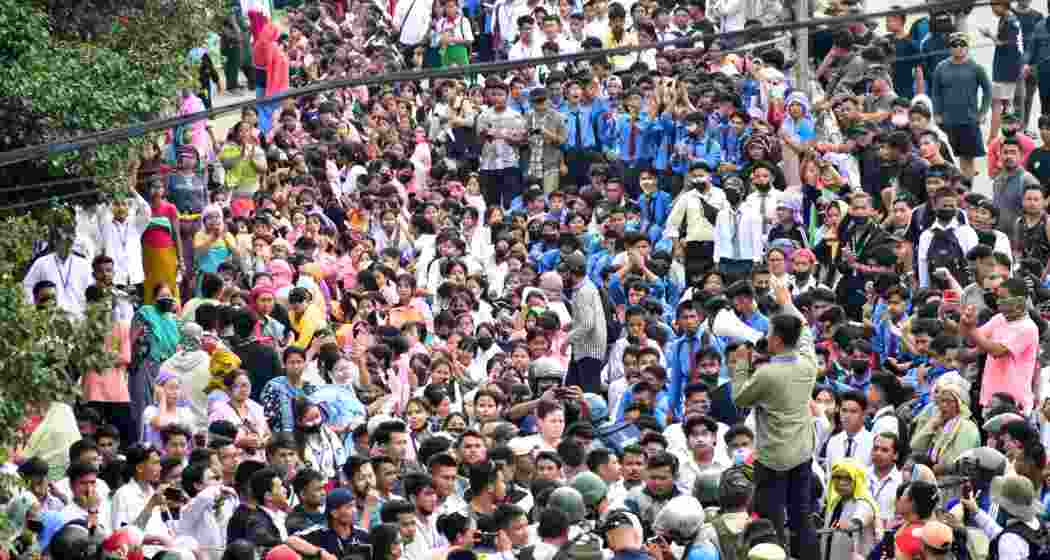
column 730, row 546
column 1038, row 540
column 945, row 251
column 920, row 29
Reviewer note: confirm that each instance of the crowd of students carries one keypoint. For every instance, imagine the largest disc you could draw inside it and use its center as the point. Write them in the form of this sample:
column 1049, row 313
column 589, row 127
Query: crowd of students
column 660, row 305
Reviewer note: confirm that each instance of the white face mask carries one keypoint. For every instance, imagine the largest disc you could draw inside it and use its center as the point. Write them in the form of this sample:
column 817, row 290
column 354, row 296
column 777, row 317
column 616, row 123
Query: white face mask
column 900, row 121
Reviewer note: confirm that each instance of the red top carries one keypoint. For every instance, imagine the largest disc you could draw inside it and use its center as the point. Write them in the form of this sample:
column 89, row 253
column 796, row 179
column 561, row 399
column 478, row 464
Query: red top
column 157, row 237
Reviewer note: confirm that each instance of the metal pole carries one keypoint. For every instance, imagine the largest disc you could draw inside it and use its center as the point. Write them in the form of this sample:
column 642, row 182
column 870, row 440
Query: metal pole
column 802, row 64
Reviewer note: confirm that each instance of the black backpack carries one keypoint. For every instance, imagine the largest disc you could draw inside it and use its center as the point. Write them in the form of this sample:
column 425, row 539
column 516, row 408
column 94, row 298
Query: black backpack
column 945, row 251
column 1038, row 540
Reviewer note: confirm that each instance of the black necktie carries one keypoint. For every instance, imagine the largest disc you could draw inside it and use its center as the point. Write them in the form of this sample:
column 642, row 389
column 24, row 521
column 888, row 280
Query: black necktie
column 849, row 447
column 579, row 130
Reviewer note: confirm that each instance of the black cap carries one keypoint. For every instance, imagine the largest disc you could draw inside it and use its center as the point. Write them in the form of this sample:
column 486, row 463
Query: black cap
column 538, row 93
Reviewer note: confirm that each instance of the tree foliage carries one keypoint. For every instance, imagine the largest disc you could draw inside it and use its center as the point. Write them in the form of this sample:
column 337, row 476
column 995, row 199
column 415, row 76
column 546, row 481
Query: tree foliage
column 41, row 352
column 92, row 65
column 68, row 68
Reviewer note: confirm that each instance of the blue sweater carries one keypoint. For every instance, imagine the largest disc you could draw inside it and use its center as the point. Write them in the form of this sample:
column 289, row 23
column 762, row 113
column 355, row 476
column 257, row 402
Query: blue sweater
column 954, row 91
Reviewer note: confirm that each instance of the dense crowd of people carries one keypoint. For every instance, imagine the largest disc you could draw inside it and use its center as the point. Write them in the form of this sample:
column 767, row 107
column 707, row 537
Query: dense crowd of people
column 665, row 305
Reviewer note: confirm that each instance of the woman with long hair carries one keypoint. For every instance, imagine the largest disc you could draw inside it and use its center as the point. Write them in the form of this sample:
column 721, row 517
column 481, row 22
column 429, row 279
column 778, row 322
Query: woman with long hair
column 214, row 244
column 155, row 338
column 253, row 432
column 161, row 242
column 319, row 447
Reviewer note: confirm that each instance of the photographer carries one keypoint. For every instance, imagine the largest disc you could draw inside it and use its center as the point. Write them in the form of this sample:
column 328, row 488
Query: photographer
column 1016, row 497
column 546, row 133
column 340, row 538
column 1011, row 340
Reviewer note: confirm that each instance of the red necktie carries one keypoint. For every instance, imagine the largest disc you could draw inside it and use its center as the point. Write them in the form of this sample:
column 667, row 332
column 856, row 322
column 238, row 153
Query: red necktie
column 393, row 10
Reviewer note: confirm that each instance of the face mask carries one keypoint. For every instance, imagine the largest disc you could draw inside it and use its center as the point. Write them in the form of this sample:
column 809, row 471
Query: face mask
column 900, row 121
column 311, row 428
column 328, row 358
column 945, row 215
column 732, row 196
column 1009, row 133
column 991, row 300
column 801, row 277
column 858, row 365
column 165, row 305
column 485, row 342
column 761, row 187
column 35, row 525
column 698, row 183
column 658, row 267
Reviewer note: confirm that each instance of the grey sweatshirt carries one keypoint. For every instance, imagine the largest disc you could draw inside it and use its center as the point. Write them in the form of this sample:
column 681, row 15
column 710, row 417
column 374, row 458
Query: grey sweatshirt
column 954, row 91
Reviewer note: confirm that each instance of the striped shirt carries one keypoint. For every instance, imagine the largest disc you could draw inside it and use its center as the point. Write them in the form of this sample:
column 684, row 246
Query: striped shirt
column 588, row 336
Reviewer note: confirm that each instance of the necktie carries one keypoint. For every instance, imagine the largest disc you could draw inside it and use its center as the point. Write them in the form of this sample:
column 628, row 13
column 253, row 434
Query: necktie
column 764, row 197
column 632, row 139
column 692, row 357
column 579, row 129
column 393, row 9
column 736, row 233
column 849, row 447
column 497, row 40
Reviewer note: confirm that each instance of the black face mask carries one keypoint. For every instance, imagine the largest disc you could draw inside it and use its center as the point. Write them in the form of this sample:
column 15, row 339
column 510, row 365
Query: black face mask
column 858, row 365
column 659, row 267
column 991, row 300
column 761, row 188
column 35, row 525
column 732, row 196
column 315, row 429
column 485, row 342
column 802, row 277
column 945, row 215
column 165, row 305
column 328, row 358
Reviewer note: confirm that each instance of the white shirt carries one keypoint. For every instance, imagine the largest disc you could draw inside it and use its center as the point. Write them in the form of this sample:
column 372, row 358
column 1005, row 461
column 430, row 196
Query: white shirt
column 886, row 421
column 73, row 512
column 748, row 230
column 754, row 200
column 884, row 490
column 199, row 520
column 71, row 276
column 860, row 450
column 964, row 233
column 427, row 539
column 412, row 19
column 123, row 241
column 128, row 503
column 279, row 519
column 690, row 471
column 678, row 444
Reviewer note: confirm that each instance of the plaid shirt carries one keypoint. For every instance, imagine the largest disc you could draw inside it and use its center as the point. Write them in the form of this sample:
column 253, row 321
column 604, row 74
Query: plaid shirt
column 588, row 336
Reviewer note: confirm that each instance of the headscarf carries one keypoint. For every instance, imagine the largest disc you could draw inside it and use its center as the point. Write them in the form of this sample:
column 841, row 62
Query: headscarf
column 552, row 285
column 192, row 337
column 166, row 375
column 212, row 210
column 190, row 104
column 861, row 492
column 950, row 430
column 793, row 202
column 281, row 272
column 264, row 288
column 164, row 330
column 223, row 362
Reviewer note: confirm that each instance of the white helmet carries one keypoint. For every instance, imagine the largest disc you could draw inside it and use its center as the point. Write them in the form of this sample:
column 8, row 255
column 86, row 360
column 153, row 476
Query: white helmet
column 680, row 520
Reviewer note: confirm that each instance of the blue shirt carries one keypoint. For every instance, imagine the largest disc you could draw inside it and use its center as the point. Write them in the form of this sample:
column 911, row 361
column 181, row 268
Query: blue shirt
column 704, row 147
column 588, row 127
column 656, row 207
column 640, row 148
